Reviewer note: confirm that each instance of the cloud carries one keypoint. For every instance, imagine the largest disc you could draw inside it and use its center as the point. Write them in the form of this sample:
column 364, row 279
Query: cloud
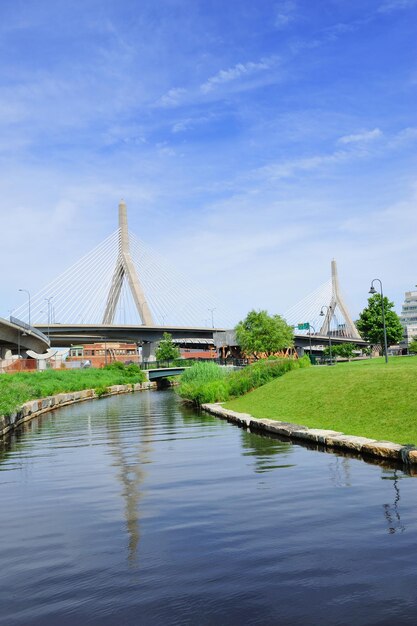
column 240, row 70
column 285, row 13
column 407, row 135
column 394, row 5
column 367, row 135
column 287, row 169
column 172, row 98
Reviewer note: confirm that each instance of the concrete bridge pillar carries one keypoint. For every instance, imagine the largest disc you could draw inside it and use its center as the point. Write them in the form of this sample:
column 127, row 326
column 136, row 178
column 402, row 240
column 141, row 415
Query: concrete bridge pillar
column 5, row 353
column 148, row 351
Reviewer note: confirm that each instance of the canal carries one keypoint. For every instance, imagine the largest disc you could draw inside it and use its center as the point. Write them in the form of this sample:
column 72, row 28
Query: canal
column 136, row 510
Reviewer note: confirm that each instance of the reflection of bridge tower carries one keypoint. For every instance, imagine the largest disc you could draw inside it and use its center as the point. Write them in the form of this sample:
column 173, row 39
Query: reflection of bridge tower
column 125, row 268
column 130, row 464
column 349, row 329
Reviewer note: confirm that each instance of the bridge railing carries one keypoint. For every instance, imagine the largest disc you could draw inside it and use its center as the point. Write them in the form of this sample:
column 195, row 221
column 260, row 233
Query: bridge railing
column 151, row 365
column 31, row 329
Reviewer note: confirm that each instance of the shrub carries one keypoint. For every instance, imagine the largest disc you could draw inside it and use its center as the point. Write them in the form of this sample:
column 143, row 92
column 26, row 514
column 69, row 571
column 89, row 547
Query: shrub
column 101, row 391
column 208, row 382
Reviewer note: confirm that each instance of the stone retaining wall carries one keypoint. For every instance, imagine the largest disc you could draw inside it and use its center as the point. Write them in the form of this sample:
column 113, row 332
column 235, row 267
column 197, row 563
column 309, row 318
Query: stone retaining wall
column 34, row 408
column 329, row 438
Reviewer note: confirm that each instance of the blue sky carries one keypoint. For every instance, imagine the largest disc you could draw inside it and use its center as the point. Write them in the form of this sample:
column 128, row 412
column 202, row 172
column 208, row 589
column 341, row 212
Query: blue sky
column 252, row 141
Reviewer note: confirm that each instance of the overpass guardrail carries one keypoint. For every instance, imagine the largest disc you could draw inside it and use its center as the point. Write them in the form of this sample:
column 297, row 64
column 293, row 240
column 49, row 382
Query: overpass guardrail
column 31, row 329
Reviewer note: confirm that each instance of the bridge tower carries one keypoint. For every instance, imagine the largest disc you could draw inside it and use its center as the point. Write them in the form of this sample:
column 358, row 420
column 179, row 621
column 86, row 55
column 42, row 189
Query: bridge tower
column 125, row 268
column 336, row 300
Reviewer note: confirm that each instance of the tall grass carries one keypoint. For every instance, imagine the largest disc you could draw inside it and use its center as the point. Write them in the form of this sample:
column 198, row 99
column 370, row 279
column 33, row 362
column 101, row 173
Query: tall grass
column 15, row 389
column 208, row 382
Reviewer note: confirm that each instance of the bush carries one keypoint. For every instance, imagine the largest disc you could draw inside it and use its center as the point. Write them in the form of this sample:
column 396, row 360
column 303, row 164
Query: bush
column 208, row 382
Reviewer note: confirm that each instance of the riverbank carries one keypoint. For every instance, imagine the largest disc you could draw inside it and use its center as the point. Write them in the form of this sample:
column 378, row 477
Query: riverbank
column 35, row 408
column 366, row 399
column 382, row 450
column 15, row 389
column 27, row 395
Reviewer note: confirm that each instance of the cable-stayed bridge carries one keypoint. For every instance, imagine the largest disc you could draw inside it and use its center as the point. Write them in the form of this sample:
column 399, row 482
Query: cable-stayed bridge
column 124, row 291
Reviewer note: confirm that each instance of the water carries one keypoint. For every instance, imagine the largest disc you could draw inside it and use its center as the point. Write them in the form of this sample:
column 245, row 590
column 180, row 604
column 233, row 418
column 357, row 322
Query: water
column 135, row 510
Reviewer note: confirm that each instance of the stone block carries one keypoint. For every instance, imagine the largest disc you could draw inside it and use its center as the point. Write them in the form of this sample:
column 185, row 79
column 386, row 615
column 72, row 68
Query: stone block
column 349, row 442
column 383, row 449
column 411, row 456
column 283, row 428
column 27, row 408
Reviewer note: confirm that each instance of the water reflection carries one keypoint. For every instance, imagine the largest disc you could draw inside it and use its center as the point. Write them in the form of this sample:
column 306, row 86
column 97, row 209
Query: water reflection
column 129, row 461
column 392, row 511
column 339, row 469
column 264, row 449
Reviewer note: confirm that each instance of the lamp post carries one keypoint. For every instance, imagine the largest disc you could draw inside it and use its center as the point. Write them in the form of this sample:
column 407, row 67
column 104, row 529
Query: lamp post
column 28, row 292
column 310, row 326
column 48, row 300
column 18, row 347
column 212, row 317
column 329, row 312
column 372, row 291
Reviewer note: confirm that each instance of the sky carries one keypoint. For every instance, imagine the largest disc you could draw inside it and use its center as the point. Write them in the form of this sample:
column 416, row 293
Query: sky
column 252, row 142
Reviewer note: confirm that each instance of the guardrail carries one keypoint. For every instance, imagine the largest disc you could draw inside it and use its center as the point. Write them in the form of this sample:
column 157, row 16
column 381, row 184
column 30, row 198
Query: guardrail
column 151, row 365
column 25, row 326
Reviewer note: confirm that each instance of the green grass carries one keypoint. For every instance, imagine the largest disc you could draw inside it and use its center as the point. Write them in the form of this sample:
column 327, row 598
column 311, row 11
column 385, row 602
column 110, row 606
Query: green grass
column 365, row 398
column 15, row 389
column 207, row 382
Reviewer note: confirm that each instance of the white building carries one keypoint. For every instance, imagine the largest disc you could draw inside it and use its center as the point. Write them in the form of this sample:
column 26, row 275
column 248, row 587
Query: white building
column 408, row 318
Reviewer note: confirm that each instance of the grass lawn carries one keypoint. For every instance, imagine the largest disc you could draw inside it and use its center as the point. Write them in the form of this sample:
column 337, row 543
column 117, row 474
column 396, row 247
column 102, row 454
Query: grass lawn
column 366, row 398
column 15, row 389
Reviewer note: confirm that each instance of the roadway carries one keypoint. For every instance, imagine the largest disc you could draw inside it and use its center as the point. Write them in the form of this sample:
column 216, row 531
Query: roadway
column 18, row 336
column 65, row 335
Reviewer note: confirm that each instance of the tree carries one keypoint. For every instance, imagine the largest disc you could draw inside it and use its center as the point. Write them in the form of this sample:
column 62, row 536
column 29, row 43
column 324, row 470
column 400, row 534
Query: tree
column 370, row 323
column 345, row 350
column 413, row 345
column 260, row 333
column 167, row 350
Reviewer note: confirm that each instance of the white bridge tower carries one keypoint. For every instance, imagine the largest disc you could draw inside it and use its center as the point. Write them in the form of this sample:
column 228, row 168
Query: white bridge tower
column 337, row 300
column 125, row 268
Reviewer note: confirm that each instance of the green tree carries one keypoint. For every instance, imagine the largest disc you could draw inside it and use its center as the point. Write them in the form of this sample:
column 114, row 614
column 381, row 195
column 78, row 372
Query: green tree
column 262, row 333
column 413, row 345
column 345, row 350
column 370, row 323
column 167, row 350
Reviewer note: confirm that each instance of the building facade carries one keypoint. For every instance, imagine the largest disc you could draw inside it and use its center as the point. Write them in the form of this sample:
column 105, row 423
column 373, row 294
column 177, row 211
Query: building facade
column 408, row 319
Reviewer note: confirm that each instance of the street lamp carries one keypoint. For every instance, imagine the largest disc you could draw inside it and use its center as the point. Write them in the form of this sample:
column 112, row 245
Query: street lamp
column 212, row 317
column 48, row 300
column 310, row 326
column 28, row 292
column 372, row 291
column 329, row 312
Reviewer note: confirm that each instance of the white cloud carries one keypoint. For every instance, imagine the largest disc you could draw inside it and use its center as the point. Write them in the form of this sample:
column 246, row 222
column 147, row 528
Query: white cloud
column 172, row 98
column 181, row 126
column 365, row 136
column 240, row 70
column 388, row 6
column 404, row 136
column 285, row 13
column 286, row 169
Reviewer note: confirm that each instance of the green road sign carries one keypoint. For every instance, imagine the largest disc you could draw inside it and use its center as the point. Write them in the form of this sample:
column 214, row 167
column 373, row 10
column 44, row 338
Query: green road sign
column 304, row 326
